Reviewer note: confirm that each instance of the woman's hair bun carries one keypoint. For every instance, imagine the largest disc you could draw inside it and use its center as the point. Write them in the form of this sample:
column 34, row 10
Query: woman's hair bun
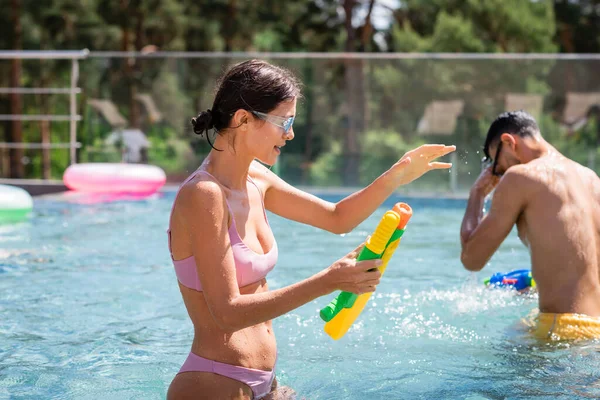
column 203, row 122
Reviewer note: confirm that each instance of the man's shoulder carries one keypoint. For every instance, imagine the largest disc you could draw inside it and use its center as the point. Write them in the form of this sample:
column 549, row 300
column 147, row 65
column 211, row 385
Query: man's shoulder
column 520, row 174
column 584, row 171
column 521, row 181
column 539, row 171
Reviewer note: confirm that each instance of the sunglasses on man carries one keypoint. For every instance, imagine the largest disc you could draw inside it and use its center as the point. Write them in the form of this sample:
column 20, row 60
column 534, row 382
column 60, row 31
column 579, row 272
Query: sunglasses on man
column 487, row 162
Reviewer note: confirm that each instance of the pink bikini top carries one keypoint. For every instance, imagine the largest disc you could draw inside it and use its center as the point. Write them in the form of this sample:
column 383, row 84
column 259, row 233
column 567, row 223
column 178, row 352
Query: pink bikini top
column 250, row 266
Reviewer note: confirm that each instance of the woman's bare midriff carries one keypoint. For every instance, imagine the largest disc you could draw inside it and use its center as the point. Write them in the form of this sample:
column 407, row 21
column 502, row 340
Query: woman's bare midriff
column 253, row 347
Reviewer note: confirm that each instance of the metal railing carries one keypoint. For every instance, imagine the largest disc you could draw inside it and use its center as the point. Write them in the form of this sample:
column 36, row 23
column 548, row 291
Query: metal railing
column 344, row 56
column 407, row 95
column 72, row 91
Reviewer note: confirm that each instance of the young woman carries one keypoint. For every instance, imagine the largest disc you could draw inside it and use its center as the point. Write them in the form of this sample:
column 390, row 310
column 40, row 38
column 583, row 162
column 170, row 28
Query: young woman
column 223, row 248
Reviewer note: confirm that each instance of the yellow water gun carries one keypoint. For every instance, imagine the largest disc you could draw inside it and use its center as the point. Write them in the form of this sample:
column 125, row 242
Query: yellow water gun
column 341, row 313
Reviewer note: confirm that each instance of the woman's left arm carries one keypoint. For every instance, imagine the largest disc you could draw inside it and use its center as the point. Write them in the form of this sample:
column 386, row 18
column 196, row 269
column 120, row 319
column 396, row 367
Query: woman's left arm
column 343, row 216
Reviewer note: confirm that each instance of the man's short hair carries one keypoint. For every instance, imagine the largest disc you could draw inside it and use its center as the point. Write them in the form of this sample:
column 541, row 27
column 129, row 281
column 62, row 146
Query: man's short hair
column 515, row 122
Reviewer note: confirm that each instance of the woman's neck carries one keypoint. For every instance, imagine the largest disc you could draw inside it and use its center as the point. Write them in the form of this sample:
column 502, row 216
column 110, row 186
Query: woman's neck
column 230, row 169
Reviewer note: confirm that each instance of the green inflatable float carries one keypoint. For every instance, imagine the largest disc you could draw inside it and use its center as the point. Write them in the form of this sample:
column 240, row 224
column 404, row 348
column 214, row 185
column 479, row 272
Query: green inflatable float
column 15, row 204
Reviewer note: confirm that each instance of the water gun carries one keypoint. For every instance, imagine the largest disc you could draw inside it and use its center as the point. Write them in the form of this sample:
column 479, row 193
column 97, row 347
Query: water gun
column 341, row 313
column 520, row 279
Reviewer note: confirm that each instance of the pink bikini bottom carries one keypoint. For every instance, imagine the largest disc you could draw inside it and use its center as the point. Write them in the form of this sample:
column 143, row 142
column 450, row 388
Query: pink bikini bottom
column 258, row 380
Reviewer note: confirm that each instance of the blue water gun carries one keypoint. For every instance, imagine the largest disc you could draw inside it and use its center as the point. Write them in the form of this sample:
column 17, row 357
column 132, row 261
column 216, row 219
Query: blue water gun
column 520, row 279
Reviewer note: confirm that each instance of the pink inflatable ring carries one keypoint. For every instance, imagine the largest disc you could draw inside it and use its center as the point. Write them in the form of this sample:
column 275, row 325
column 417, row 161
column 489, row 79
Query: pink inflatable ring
column 114, row 178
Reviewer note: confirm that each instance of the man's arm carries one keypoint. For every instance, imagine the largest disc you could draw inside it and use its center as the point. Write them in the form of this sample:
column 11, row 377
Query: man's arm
column 482, row 235
column 486, row 182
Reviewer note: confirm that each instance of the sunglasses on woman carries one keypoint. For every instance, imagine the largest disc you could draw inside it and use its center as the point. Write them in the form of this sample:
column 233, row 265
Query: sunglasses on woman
column 282, row 122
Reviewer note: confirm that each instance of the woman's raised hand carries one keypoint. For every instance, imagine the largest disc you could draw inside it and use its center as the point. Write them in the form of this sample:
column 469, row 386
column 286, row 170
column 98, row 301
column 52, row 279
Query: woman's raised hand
column 417, row 162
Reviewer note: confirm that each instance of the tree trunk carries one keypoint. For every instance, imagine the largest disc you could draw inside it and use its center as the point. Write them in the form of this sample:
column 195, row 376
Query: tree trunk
column 229, row 25
column 129, row 64
column 565, row 33
column 353, row 77
column 45, row 131
column 16, row 106
column 44, row 101
column 135, row 120
column 309, row 99
column 367, row 30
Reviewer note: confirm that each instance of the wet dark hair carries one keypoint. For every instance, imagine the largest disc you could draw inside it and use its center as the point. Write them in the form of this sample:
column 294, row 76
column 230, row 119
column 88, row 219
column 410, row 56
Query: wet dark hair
column 515, row 122
column 252, row 85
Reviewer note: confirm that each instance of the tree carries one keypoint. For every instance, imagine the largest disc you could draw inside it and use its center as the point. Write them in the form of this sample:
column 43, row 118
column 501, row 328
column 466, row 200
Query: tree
column 471, row 26
column 343, row 98
column 16, row 107
column 578, row 26
column 62, row 24
column 474, row 26
column 141, row 23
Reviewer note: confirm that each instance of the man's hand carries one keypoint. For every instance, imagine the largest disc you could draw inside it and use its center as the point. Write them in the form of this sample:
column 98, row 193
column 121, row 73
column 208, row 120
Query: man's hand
column 485, row 183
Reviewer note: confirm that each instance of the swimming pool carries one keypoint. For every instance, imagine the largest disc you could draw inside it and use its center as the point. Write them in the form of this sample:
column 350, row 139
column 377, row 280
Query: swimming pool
column 90, row 308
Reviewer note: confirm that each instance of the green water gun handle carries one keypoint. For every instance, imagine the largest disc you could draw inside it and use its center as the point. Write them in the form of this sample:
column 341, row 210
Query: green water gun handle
column 346, row 299
column 373, row 249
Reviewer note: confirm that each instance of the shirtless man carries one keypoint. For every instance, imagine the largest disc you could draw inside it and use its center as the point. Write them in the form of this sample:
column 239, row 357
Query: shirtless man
column 555, row 203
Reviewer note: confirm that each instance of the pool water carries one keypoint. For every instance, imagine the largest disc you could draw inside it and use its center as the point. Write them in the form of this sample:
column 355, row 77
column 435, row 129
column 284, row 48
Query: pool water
column 90, row 309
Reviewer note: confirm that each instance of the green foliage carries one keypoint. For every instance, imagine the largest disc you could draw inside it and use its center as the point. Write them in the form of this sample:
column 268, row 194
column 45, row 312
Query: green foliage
column 405, row 39
column 396, row 92
column 380, row 150
column 171, row 100
column 325, row 171
column 578, row 26
column 173, row 155
column 455, row 33
column 475, row 26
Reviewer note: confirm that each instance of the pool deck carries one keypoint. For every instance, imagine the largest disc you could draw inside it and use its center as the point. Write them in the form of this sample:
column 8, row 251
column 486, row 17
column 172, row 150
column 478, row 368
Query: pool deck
column 36, row 187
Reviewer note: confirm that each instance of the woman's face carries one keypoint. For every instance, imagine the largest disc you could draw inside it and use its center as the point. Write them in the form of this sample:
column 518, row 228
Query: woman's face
column 266, row 134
